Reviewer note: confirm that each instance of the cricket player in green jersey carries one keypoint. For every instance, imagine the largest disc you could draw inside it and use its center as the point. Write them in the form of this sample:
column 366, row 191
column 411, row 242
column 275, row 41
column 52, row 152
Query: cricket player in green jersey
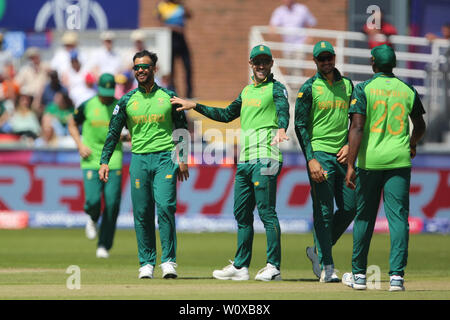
column 380, row 138
column 263, row 109
column 94, row 116
column 154, row 168
column 321, row 126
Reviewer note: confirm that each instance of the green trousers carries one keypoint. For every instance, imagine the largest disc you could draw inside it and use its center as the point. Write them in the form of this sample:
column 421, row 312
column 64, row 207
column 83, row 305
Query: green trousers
column 153, row 180
column 112, row 192
column 394, row 185
column 329, row 225
column 256, row 185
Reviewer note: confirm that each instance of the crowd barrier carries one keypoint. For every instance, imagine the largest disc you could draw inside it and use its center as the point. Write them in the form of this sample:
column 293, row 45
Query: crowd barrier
column 40, row 189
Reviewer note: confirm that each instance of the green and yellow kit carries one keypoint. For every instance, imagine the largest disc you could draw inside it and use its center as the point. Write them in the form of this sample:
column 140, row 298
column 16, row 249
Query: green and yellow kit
column 150, row 119
column 384, row 165
column 263, row 108
column 94, row 117
column 321, row 126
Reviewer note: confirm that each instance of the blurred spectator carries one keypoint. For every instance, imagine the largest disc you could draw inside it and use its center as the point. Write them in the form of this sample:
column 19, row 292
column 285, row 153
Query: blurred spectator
column 32, row 77
column 173, row 14
column 4, row 117
column 53, row 86
column 124, row 82
column 445, row 33
column 378, row 36
column 106, row 59
column 24, row 121
column 9, row 89
column 6, row 57
column 49, row 137
column 138, row 37
column 78, row 81
column 60, row 109
column 293, row 15
column 62, row 58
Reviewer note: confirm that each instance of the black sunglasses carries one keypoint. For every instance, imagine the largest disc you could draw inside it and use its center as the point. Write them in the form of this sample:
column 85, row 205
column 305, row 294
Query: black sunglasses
column 264, row 62
column 144, row 66
column 324, row 58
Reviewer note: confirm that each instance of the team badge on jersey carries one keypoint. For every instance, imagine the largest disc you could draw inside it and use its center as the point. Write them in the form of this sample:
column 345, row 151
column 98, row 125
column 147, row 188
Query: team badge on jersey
column 137, row 183
column 300, row 94
column 116, row 110
column 353, row 102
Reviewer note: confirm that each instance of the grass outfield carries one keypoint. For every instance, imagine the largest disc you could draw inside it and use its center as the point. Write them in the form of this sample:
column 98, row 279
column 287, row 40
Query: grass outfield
column 33, row 265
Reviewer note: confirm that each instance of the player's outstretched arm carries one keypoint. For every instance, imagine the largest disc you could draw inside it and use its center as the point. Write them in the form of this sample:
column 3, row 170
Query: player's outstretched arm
column 182, row 104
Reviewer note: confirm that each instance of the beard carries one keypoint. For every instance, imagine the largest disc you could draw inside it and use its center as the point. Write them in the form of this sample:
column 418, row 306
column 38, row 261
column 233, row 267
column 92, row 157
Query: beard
column 145, row 80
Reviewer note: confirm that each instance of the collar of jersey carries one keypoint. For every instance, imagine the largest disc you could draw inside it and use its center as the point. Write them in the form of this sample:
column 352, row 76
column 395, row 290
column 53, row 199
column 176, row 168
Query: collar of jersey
column 383, row 74
column 268, row 79
column 337, row 76
column 152, row 89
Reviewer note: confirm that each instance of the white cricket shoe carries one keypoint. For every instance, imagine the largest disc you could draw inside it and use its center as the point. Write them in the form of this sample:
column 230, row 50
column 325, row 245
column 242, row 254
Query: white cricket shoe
column 329, row 274
column 268, row 273
column 168, row 270
column 396, row 283
column 312, row 255
column 357, row 281
column 102, row 253
column 91, row 229
column 232, row 273
column 146, row 272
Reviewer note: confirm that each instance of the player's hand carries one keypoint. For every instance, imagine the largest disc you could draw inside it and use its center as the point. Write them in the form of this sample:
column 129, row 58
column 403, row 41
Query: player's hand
column 342, row 154
column 350, row 178
column 183, row 171
column 316, row 171
column 183, row 104
column 103, row 173
column 84, row 151
column 280, row 137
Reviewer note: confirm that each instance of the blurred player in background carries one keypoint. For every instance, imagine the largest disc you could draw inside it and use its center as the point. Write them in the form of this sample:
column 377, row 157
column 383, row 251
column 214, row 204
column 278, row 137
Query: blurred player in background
column 380, row 137
column 321, row 126
column 94, row 116
column 263, row 108
column 150, row 118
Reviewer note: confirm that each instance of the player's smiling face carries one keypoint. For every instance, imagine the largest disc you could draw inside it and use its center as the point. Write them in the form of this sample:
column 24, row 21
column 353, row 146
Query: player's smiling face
column 261, row 66
column 325, row 62
column 143, row 70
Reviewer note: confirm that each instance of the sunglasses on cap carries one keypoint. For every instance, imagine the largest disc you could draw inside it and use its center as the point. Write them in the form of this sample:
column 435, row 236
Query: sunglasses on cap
column 324, row 58
column 143, row 66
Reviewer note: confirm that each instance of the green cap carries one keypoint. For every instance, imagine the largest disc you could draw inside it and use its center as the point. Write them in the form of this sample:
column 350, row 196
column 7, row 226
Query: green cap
column 258, row 50
column 106, row 85
column 322, row 46
column 384, row 56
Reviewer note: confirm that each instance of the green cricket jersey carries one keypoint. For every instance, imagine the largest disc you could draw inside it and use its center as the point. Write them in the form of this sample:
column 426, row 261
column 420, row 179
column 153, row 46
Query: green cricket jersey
column 321, row 114
column 94, row 117
column 386, row 101
column 150, row 118
column 263, row 108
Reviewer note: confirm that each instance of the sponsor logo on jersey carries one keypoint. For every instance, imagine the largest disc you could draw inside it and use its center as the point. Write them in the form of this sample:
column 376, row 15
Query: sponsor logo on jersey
column 116, row 110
